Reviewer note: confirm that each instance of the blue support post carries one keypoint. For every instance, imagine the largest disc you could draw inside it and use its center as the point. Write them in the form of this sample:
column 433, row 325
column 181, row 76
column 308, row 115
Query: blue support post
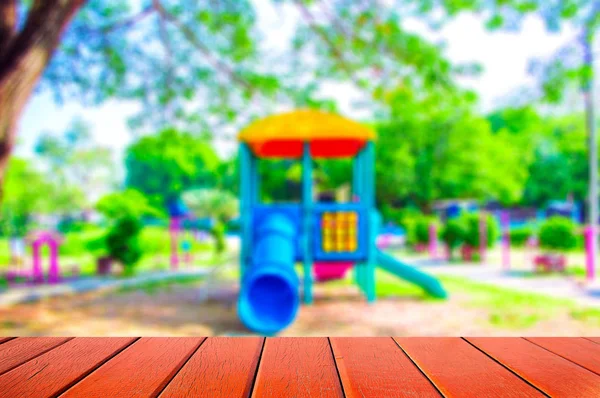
column 357, row 190
column 245, row 206
column 307, row 216
column 254, row 179
column 369, row 201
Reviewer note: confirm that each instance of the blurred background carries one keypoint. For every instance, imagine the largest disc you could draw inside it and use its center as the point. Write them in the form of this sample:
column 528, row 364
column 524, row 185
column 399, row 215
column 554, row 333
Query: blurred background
column 118, row 117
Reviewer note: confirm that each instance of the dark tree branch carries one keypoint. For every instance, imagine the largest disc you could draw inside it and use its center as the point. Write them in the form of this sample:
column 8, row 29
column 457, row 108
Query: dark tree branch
column 129, row 22
column 24, row 61
column 8, row 23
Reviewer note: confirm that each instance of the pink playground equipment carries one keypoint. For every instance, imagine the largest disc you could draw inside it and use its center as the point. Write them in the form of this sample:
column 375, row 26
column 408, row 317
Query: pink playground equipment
column 38, row 240
column 325, row 271
column 36, row 275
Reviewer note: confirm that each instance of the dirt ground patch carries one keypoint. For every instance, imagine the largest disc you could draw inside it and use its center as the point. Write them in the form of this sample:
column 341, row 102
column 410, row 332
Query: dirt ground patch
column 193, row 310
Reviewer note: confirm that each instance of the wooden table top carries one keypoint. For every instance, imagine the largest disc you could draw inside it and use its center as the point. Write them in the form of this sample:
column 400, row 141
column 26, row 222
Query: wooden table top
column 299, row 367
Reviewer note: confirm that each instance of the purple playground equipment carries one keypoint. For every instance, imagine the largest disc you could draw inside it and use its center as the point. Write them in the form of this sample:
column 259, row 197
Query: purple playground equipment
column 433, row 242
column 176, row 232
column 52, row 240
column 590, row 262
column 36, row 274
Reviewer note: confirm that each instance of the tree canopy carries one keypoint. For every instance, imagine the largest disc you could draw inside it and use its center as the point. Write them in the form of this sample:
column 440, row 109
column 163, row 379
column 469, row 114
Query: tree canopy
column 164, row 165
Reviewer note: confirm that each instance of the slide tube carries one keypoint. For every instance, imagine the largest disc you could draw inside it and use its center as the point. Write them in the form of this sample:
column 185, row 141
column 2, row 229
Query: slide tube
column 269, row 295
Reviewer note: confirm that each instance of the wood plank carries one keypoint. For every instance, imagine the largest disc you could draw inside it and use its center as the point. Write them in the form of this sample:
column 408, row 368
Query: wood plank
column 297, row 367
column 15, row 352
column 56, row 370
column 222, row 367
column 581, row 351
column 376, row 367
column 594, row 339
column 142, row 370
column 460, row 370
column 547, row 371
column 3, row 339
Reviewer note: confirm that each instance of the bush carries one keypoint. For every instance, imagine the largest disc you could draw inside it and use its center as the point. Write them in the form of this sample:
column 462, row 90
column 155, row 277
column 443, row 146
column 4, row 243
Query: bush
column 559, row 234
column 519, row 236
column 122, row 242
column 218, row 233
column 418, row 233
column 92, row 240
column 453, row 232
column 472, row 223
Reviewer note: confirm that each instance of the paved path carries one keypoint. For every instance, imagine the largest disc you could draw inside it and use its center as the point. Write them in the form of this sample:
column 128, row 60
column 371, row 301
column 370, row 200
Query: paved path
column 18, row 295
column 556, row 286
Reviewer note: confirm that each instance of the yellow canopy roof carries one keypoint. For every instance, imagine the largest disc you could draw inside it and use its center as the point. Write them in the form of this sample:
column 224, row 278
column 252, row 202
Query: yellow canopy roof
column 283, row 134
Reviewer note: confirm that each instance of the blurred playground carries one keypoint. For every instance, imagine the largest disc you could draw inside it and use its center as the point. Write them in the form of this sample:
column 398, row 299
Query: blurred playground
column 299, row 168
column 318, row 267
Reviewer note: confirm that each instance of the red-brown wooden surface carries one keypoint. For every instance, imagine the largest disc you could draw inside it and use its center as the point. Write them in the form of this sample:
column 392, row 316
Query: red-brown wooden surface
column 17, row 351
column 547, row 371
column 376, row 367
column 3, row 339
column 129, row 371
column 583, row 352
column 300, row 367
column 297, row 368
column 55, row 371
column 452, row 364
column 222, row 367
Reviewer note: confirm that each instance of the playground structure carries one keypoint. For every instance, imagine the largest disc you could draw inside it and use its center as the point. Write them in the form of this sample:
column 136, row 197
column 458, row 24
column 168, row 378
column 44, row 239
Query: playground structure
column 181, row 221
column 327, row 238
column 37, row 241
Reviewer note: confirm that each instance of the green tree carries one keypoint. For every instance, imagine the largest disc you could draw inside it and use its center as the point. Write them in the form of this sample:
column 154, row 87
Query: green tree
column 27, row 43
column 177, row 59
column 22, row 200
column 436, row 147
column 164, row 165
column 73, row 160
column 220, row 206
column 128, row 203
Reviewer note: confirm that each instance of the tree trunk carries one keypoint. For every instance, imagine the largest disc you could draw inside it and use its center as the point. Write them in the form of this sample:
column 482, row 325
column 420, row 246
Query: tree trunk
column 23, row 57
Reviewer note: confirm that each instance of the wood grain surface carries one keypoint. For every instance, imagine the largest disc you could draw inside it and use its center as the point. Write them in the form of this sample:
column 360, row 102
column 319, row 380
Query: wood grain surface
column 547, row 371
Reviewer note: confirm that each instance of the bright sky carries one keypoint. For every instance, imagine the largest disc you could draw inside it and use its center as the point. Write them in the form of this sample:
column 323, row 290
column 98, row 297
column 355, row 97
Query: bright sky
column 504, row 57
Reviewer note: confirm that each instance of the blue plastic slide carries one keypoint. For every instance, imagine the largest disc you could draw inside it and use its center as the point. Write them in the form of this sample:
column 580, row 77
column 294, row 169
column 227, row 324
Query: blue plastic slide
column 269, row 296
column 427, row 282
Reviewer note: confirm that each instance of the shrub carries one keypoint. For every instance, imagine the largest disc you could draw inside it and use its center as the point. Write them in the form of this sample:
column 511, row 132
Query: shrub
column 558, row 233
column 418, row 233
column 218, row 234
column 122, row 242
column 519, row 236
column 92, row 240
column 472, row 224
column 453, row 232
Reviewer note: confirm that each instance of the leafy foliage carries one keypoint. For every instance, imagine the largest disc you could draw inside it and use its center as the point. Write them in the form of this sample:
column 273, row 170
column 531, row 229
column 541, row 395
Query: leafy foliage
column 428, row 151
column 211, row 203
column 472, row 222
column 221, row 206
column 122, row 242
column 519, row 236
column 558, row 233
column 178, row 59
column 128, row 203
column 164, row 165
column 453, row 232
